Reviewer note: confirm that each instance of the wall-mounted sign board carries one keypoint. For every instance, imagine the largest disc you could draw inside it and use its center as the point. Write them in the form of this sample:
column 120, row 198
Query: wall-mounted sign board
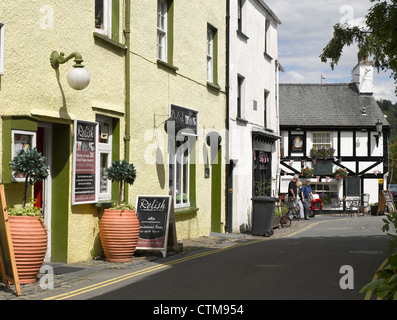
column 85, row 162
column 156, row 223
column 386, row 202
column 8, row 267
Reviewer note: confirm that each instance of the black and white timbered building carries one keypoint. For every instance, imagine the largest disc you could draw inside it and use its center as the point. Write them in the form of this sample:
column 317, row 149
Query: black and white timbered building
column 328, row 127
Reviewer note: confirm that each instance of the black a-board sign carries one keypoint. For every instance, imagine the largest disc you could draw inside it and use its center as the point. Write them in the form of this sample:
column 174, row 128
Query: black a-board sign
column 8, row 267
column 157, row 223
column 386, row 201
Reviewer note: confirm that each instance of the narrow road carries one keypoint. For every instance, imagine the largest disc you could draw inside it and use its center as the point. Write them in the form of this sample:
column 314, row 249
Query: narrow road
column 306, row 266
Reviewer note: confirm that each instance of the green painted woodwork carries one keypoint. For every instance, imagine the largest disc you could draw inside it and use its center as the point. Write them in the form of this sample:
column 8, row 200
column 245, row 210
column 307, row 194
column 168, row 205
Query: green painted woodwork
column 8, row 124
column 170, row 32
column 60, row 192
column 216, row 193
column 215, row 57
column 115, row 20
column 115, row 155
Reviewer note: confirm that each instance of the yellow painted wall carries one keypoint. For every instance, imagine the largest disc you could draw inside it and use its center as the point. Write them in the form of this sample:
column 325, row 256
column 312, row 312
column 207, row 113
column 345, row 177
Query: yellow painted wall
column 31, row 87
column 154, row 88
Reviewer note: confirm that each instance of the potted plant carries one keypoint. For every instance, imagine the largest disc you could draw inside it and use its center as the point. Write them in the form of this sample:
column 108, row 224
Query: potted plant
column 263, row 209
column 322, row 153
column 119, row 225
column 28, row 232
column 307, row 172
column 340, row 174
column 374, row 208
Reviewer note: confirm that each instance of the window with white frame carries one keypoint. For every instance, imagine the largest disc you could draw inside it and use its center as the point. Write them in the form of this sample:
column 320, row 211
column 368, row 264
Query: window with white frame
column 322, row 140
column 179, row 175
column 103, row 17
column 1, row 48
column 105, row 156
column 210, row 54
column 162, row 9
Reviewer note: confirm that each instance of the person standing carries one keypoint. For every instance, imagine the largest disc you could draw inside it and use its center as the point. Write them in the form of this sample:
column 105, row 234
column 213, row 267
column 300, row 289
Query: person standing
column 299, row 201
column 307, row 195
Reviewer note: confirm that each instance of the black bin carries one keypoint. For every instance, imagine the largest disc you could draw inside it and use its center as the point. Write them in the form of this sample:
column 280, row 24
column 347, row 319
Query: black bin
column 262, row 216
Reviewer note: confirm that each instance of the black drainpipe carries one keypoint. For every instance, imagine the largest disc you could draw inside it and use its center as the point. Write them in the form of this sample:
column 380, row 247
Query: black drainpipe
column 228, row 226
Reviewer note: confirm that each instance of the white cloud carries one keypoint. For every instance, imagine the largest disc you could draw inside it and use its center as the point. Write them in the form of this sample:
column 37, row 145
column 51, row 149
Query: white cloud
column 307, row 27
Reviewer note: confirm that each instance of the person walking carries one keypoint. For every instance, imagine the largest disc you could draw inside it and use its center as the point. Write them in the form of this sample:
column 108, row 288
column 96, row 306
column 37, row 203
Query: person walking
column 307, row 195
column 298, row 199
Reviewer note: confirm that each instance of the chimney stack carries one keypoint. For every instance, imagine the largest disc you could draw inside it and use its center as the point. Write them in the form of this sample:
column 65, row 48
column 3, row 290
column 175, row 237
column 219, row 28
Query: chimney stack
column 363, row 76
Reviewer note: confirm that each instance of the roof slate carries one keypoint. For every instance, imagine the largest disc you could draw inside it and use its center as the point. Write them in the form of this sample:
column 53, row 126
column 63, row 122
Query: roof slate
column 327, row 105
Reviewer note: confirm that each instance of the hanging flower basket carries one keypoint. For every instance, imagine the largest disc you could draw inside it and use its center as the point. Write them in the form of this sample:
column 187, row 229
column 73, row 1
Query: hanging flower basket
column 340, row 174
column 323, row 153
column 307, row 172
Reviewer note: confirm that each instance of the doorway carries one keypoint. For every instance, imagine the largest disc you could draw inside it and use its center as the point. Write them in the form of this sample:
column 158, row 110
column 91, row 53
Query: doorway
column 42, row 189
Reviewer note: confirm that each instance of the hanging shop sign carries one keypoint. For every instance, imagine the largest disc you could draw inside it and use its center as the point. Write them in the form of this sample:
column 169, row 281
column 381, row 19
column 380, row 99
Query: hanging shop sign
column 189, row 119
column 85, row 162
column 156, row 223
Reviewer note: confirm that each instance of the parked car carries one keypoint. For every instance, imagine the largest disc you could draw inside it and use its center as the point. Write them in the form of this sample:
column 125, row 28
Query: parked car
column 393, row 190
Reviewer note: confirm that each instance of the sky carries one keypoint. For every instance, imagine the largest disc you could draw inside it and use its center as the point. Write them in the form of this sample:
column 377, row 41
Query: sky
column 307, row 27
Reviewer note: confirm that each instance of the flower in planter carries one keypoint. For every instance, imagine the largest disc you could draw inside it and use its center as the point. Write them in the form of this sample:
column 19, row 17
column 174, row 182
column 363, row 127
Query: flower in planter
column 307, row 172
column 324, row 153
column 340, row 174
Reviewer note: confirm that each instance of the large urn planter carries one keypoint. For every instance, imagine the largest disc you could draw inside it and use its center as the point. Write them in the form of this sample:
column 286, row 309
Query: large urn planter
column 119, row 232
column 28, row 233
column 29, row 240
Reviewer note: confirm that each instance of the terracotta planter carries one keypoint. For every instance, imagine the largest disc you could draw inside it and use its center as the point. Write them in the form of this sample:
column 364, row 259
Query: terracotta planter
column 29, row 239
column 119, row 232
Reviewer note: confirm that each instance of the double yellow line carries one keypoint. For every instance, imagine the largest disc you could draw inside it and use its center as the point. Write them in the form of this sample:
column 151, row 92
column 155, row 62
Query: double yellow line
column 134, row 274
column 144, row 271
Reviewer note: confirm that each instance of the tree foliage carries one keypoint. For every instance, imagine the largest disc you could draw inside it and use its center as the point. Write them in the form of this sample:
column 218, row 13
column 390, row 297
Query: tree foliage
column 30, row 164
column 121, row 172
column 377, row 39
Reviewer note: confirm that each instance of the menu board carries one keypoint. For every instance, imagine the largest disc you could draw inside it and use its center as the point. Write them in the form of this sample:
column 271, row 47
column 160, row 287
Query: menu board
column 386, row 201
column 154, row 218
column 85, row 162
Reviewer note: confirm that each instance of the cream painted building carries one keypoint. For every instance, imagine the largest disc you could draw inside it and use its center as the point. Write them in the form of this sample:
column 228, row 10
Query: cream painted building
column 38, row 108
column 178, row 70
column 148, row 62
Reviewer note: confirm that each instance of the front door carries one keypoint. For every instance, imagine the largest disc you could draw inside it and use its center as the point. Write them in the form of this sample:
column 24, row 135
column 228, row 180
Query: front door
column 42, row 190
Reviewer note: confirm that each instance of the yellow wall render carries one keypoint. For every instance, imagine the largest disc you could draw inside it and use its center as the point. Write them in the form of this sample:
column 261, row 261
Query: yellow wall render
column 154, row 88
column 31, row 87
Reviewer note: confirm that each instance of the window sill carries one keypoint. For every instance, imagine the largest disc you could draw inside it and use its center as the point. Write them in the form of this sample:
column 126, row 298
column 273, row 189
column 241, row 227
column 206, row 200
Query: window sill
column 213, row 86
column 109, row 41
column 166, row 65
column 242, row 35
column 187, row 210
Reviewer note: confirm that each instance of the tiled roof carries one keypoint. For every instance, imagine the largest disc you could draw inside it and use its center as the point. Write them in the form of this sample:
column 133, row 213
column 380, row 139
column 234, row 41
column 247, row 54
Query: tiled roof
column 327, row 105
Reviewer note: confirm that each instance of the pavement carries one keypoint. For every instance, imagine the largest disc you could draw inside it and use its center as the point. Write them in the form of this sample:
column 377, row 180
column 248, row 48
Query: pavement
column 68, row 276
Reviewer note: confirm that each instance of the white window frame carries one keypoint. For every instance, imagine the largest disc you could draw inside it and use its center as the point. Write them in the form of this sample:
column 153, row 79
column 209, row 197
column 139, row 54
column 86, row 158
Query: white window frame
column 104, row 148
column 107, row 19
column 1, row 48
column 14, row 150
column 323, row 143
column 162, row 32
column 210, row 54
column 179, row 160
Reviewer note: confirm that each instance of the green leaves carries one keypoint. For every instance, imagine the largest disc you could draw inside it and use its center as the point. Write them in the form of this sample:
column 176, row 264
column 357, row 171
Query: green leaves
column 30, row 164
column 121, row 172
column 378, row 39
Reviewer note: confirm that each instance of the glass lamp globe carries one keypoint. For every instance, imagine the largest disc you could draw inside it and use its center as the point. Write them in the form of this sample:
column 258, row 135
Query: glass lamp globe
column 78, row 78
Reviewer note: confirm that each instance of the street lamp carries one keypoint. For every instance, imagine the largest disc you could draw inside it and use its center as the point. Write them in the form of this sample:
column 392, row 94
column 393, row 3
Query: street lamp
column 378, row 126
column 78, row 78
